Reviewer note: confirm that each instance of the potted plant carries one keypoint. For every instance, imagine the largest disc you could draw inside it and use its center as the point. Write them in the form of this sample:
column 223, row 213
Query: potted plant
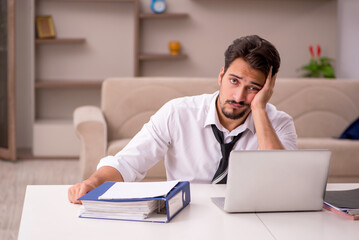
column 318, row 66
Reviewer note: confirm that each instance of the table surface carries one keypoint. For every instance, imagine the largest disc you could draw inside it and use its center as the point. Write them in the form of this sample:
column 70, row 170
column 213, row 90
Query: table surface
column 47, row 214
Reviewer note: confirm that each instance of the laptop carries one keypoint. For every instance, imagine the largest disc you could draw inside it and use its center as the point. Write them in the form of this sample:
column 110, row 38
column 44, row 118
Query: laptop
column 275, row 180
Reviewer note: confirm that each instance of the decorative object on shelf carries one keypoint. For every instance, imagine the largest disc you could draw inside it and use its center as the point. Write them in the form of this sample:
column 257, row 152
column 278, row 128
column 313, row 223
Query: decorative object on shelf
column 158, row 6
column 174, row 47
column 45, row 27
column 318, row 66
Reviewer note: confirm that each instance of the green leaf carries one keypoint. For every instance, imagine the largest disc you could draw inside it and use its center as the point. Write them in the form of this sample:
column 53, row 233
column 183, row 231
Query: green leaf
column 328, row 71
column 319, row 68
column 325, row 60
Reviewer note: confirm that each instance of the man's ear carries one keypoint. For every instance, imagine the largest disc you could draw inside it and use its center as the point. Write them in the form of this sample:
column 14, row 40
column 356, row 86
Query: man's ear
column 220, row 76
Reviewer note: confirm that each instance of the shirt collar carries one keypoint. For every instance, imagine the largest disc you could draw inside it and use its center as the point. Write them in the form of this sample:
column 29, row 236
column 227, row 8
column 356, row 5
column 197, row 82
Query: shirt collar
column 212, row 118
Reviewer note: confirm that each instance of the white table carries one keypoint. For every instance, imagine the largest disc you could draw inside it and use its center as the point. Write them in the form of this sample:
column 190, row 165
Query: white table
column 47, row 214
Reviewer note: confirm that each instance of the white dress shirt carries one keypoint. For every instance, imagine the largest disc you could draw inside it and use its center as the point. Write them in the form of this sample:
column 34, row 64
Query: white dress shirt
column 181, row 133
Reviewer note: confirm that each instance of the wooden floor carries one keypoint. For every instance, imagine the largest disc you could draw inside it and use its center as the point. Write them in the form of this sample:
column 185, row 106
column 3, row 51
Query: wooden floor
column 14, row 177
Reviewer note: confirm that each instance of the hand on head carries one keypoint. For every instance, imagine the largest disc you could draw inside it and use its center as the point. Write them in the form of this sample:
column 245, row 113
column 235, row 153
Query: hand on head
column 263, row 96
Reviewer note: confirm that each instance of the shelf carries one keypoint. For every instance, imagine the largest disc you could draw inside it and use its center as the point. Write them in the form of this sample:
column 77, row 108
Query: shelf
column 144, row 57
column 139, row 20
column 67, row 84
column 162, row 15
column 59, row 40
column 50, row 118
column 88, row 0
column 26, row 154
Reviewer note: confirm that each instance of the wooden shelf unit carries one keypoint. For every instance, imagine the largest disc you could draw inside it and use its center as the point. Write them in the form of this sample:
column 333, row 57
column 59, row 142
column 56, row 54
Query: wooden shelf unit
column 162, row 15
column 145, row 57
column 137, row 55
column 151, row 57
column 66, row 84
column 46, row 125
column 63, row 83
column 89, row 0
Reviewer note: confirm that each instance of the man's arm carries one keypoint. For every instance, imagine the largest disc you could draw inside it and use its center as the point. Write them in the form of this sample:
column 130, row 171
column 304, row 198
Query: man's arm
column 145, row 149
column 266, row 135
column 100, row 176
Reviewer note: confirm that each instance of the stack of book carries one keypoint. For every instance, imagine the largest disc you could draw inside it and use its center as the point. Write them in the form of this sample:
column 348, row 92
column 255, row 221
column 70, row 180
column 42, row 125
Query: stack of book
column 345, row 203
column 146, row 201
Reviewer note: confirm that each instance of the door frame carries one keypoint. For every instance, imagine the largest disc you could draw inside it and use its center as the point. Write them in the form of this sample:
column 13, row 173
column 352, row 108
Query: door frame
column 10, row 152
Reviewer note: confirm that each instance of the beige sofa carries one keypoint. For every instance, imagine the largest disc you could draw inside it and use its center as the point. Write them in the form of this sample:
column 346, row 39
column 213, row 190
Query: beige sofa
column 321, row 109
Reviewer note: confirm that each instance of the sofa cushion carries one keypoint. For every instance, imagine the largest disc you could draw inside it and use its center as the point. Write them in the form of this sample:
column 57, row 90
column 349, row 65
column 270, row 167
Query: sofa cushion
column 320, row 108
column 156, row 173
column 344, row 161
column 352, row 132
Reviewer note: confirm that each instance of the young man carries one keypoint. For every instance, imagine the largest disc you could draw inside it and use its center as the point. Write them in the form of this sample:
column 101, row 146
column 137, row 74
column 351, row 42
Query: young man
column 196, row 134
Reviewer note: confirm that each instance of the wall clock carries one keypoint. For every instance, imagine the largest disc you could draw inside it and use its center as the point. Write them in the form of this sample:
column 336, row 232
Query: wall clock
column 158, row 6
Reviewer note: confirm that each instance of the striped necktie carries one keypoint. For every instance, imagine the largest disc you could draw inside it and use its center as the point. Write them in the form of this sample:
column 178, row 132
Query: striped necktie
column 220, row 177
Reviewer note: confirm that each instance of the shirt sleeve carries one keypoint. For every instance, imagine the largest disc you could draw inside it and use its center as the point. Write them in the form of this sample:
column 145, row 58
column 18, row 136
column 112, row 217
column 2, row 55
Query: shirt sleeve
column 145, row 149
column 286, row 132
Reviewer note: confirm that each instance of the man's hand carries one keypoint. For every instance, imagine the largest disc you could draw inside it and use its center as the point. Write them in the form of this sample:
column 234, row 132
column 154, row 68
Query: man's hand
column 266, row 135
column 100, row 176
column 78, row 190
column 263, row 96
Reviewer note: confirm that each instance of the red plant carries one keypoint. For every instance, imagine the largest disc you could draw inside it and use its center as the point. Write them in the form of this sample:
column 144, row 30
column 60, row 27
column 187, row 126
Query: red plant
column 311, row 51
column 318, row 50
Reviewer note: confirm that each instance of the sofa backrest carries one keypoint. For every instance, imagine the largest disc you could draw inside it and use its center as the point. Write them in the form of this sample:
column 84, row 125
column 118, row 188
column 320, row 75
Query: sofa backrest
column 128, row 103
column 319, row 107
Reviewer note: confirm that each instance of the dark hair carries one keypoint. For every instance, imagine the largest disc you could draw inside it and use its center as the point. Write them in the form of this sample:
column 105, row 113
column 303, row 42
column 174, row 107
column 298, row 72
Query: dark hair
column 256, row 51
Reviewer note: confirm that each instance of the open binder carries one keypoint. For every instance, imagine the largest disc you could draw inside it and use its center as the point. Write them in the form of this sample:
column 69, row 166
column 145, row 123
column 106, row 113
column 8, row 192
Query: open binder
column 148, row 209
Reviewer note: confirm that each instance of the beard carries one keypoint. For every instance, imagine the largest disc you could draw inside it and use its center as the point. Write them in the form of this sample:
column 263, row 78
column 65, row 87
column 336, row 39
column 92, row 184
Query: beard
column 234, row 114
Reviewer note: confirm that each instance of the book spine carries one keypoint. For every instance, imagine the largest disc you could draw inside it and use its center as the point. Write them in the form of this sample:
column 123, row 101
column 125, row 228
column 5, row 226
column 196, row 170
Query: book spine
column 178, row 200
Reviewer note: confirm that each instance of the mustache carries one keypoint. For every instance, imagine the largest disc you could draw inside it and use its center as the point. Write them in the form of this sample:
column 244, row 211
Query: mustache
column 242, row 103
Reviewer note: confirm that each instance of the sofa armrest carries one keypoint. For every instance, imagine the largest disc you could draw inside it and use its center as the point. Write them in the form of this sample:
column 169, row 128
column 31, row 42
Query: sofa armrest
column 91, row 128
column 344, row 162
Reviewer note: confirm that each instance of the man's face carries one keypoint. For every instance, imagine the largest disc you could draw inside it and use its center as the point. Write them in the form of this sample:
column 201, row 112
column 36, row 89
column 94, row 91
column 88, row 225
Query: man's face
column 238, row 87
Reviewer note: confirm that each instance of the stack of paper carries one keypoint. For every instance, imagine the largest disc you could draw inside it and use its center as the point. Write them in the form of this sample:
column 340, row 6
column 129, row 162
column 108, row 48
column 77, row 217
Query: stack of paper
column 134, row 210
column 345, row 203
column 144, row 201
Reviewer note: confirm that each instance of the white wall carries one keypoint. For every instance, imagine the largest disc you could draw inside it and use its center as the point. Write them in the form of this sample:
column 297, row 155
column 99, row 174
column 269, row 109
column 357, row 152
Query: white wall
column 291, row 25
column 348, row 39
column 108, row 51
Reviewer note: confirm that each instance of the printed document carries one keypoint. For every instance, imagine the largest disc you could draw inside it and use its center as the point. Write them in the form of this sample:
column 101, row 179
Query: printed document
column 133, row 190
